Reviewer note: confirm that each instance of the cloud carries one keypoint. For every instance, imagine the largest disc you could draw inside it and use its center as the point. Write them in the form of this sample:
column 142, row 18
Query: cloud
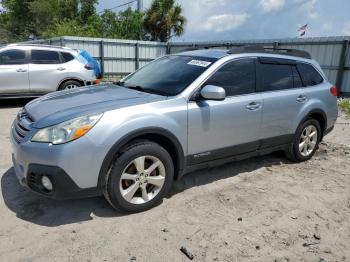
column 271, row 5
column 224, row 22
column 346, row 28
column 214, row 2
column 309, row 6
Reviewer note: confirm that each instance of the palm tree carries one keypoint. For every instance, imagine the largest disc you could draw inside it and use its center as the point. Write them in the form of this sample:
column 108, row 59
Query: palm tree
column 163, row 20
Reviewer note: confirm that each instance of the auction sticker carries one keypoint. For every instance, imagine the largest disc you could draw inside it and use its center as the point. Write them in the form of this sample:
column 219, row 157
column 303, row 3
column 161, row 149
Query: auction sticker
column 199, row 63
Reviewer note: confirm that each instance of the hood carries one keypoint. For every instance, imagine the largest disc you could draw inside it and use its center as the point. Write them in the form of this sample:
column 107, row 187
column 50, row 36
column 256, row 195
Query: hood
column 61, row 106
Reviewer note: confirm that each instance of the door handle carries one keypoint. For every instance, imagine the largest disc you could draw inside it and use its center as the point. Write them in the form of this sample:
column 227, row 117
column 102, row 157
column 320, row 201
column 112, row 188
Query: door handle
column 253, row 106
column 61, row 69
column 301, row 99
column 21, row 70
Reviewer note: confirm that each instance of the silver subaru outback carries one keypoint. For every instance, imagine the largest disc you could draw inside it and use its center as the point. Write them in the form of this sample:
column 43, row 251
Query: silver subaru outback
column 129, row 141
column 33, row 70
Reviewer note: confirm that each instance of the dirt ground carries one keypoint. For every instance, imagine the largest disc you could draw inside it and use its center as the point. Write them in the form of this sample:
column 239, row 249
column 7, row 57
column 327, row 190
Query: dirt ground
column 261, row 209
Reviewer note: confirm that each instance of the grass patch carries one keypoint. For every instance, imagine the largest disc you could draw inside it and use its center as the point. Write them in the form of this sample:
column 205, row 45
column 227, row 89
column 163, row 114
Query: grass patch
column 344, row 105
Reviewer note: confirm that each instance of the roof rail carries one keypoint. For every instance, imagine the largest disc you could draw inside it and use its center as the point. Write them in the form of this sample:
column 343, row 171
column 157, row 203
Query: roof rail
column 39, row 45
column 269, row 50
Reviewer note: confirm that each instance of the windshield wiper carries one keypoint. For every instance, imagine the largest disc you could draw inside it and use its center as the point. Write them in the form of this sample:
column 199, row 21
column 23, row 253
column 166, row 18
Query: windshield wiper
column 119, row 83
column 138, row 88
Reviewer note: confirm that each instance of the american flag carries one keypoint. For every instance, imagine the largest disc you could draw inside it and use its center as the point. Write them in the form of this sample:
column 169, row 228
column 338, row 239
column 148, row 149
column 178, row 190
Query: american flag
column 302, row 30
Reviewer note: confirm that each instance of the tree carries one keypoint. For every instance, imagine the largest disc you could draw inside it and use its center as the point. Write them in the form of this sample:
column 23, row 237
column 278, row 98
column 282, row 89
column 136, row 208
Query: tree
column 163, row 20
column 73, row 27
column 87, row 9
column 16, row 21
column 129, row 25
column 23, row 19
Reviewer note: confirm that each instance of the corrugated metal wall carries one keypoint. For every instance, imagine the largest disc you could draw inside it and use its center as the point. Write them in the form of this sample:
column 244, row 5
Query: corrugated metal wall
column 120, row 57
column 117, row 57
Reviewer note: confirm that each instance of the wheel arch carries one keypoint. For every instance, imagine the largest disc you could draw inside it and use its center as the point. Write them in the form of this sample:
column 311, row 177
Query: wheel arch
column 70, row 79
column 158, row 135
column 320, row 116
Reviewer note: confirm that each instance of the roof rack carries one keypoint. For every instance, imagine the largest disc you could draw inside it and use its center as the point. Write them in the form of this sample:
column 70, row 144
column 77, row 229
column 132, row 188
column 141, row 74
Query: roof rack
column 269, row 50
column 39, row 45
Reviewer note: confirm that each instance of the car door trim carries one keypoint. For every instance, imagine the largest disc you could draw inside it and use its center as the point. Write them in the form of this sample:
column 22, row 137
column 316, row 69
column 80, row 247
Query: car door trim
column 237, row 150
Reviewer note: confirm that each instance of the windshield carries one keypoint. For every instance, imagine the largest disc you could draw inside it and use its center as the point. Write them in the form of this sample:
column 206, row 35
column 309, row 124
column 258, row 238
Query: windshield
column 169, row 75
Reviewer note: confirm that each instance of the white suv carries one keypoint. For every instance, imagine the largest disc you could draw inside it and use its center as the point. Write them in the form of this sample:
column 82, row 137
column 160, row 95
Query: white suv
column 34, row 70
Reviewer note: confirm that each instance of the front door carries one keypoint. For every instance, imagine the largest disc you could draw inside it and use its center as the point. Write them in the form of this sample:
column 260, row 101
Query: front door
column 219, row 129
column 13, row 72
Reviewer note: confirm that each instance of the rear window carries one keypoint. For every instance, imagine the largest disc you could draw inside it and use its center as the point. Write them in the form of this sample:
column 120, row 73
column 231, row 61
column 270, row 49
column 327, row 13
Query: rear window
column 296, row 77
column 45, row 57
column 67, row 57
column 276, row 77
column 13, row 57
column 309, row 75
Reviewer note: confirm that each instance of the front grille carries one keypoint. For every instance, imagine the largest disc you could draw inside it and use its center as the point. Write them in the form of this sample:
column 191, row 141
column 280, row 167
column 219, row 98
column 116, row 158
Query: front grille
column 32, row 180
column 21, row 125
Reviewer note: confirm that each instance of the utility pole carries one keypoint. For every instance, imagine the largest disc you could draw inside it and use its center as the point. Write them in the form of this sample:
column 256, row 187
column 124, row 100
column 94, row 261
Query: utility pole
column 139, row 5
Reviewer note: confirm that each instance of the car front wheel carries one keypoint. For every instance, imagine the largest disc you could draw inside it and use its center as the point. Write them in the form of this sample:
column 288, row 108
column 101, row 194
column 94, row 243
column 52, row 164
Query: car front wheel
column 140, row 177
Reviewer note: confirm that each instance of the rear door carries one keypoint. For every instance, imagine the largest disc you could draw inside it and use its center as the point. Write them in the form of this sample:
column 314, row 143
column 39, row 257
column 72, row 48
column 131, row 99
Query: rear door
column 281, row 88
column 46, row 70
column 218, row 129
column 13, row 71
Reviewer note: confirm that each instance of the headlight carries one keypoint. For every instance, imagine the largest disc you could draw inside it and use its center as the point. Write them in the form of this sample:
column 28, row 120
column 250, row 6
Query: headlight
column 66, row 131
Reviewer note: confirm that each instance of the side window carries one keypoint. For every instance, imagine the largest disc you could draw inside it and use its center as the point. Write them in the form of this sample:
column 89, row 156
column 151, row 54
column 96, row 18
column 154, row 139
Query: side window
column 309, row 74
column 236, row 77
column 13, row 57
column 296, row 77
column 276, row 77
column 45, row 57
column 67, row 57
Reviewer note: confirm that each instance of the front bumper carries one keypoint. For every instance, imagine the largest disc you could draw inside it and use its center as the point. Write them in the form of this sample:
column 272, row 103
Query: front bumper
column 63, row 186
column 73, row 168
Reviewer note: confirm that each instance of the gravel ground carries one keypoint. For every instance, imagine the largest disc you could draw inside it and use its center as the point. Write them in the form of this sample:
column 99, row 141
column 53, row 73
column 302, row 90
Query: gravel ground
column 261, row 209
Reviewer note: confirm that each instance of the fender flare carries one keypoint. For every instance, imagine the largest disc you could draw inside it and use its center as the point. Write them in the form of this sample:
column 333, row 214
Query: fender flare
column 129, row 137
column 315, row 111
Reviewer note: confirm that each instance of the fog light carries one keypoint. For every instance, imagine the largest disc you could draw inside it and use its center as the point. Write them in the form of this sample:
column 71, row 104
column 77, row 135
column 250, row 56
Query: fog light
column 46, row 182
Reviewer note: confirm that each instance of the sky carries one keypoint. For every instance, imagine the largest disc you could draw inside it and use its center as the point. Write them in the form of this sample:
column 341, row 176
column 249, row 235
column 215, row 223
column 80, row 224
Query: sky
column 257, row 19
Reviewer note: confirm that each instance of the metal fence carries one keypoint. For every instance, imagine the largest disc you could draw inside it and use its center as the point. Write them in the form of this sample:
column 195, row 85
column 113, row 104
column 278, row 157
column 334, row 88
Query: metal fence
column 120, row 57
column 116, row 57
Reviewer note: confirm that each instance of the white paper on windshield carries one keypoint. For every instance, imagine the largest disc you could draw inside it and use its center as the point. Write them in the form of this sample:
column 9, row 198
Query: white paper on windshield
column 199, row 63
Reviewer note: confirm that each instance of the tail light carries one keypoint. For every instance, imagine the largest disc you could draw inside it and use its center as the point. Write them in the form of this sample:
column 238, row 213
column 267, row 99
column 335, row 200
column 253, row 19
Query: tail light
column 334, row 91
column 97, row 81
column 89, row 66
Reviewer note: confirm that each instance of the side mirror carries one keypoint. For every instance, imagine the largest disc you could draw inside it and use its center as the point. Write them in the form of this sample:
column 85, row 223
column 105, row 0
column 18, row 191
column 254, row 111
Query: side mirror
column 211, row 92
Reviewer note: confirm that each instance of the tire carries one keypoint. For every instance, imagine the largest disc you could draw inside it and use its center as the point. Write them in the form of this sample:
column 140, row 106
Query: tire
column 71, row 84
column 300, row 152
column 128, row 185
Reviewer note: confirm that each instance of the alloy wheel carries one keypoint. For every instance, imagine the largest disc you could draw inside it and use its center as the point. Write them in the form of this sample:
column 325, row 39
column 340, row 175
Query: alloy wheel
column 142, row 179
column 308, row 140
column 71, row 86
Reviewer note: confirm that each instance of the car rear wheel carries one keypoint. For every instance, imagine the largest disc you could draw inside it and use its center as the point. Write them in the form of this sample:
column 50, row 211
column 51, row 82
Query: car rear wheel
column 306, row 141
column 140, row 177
column 71, row 84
